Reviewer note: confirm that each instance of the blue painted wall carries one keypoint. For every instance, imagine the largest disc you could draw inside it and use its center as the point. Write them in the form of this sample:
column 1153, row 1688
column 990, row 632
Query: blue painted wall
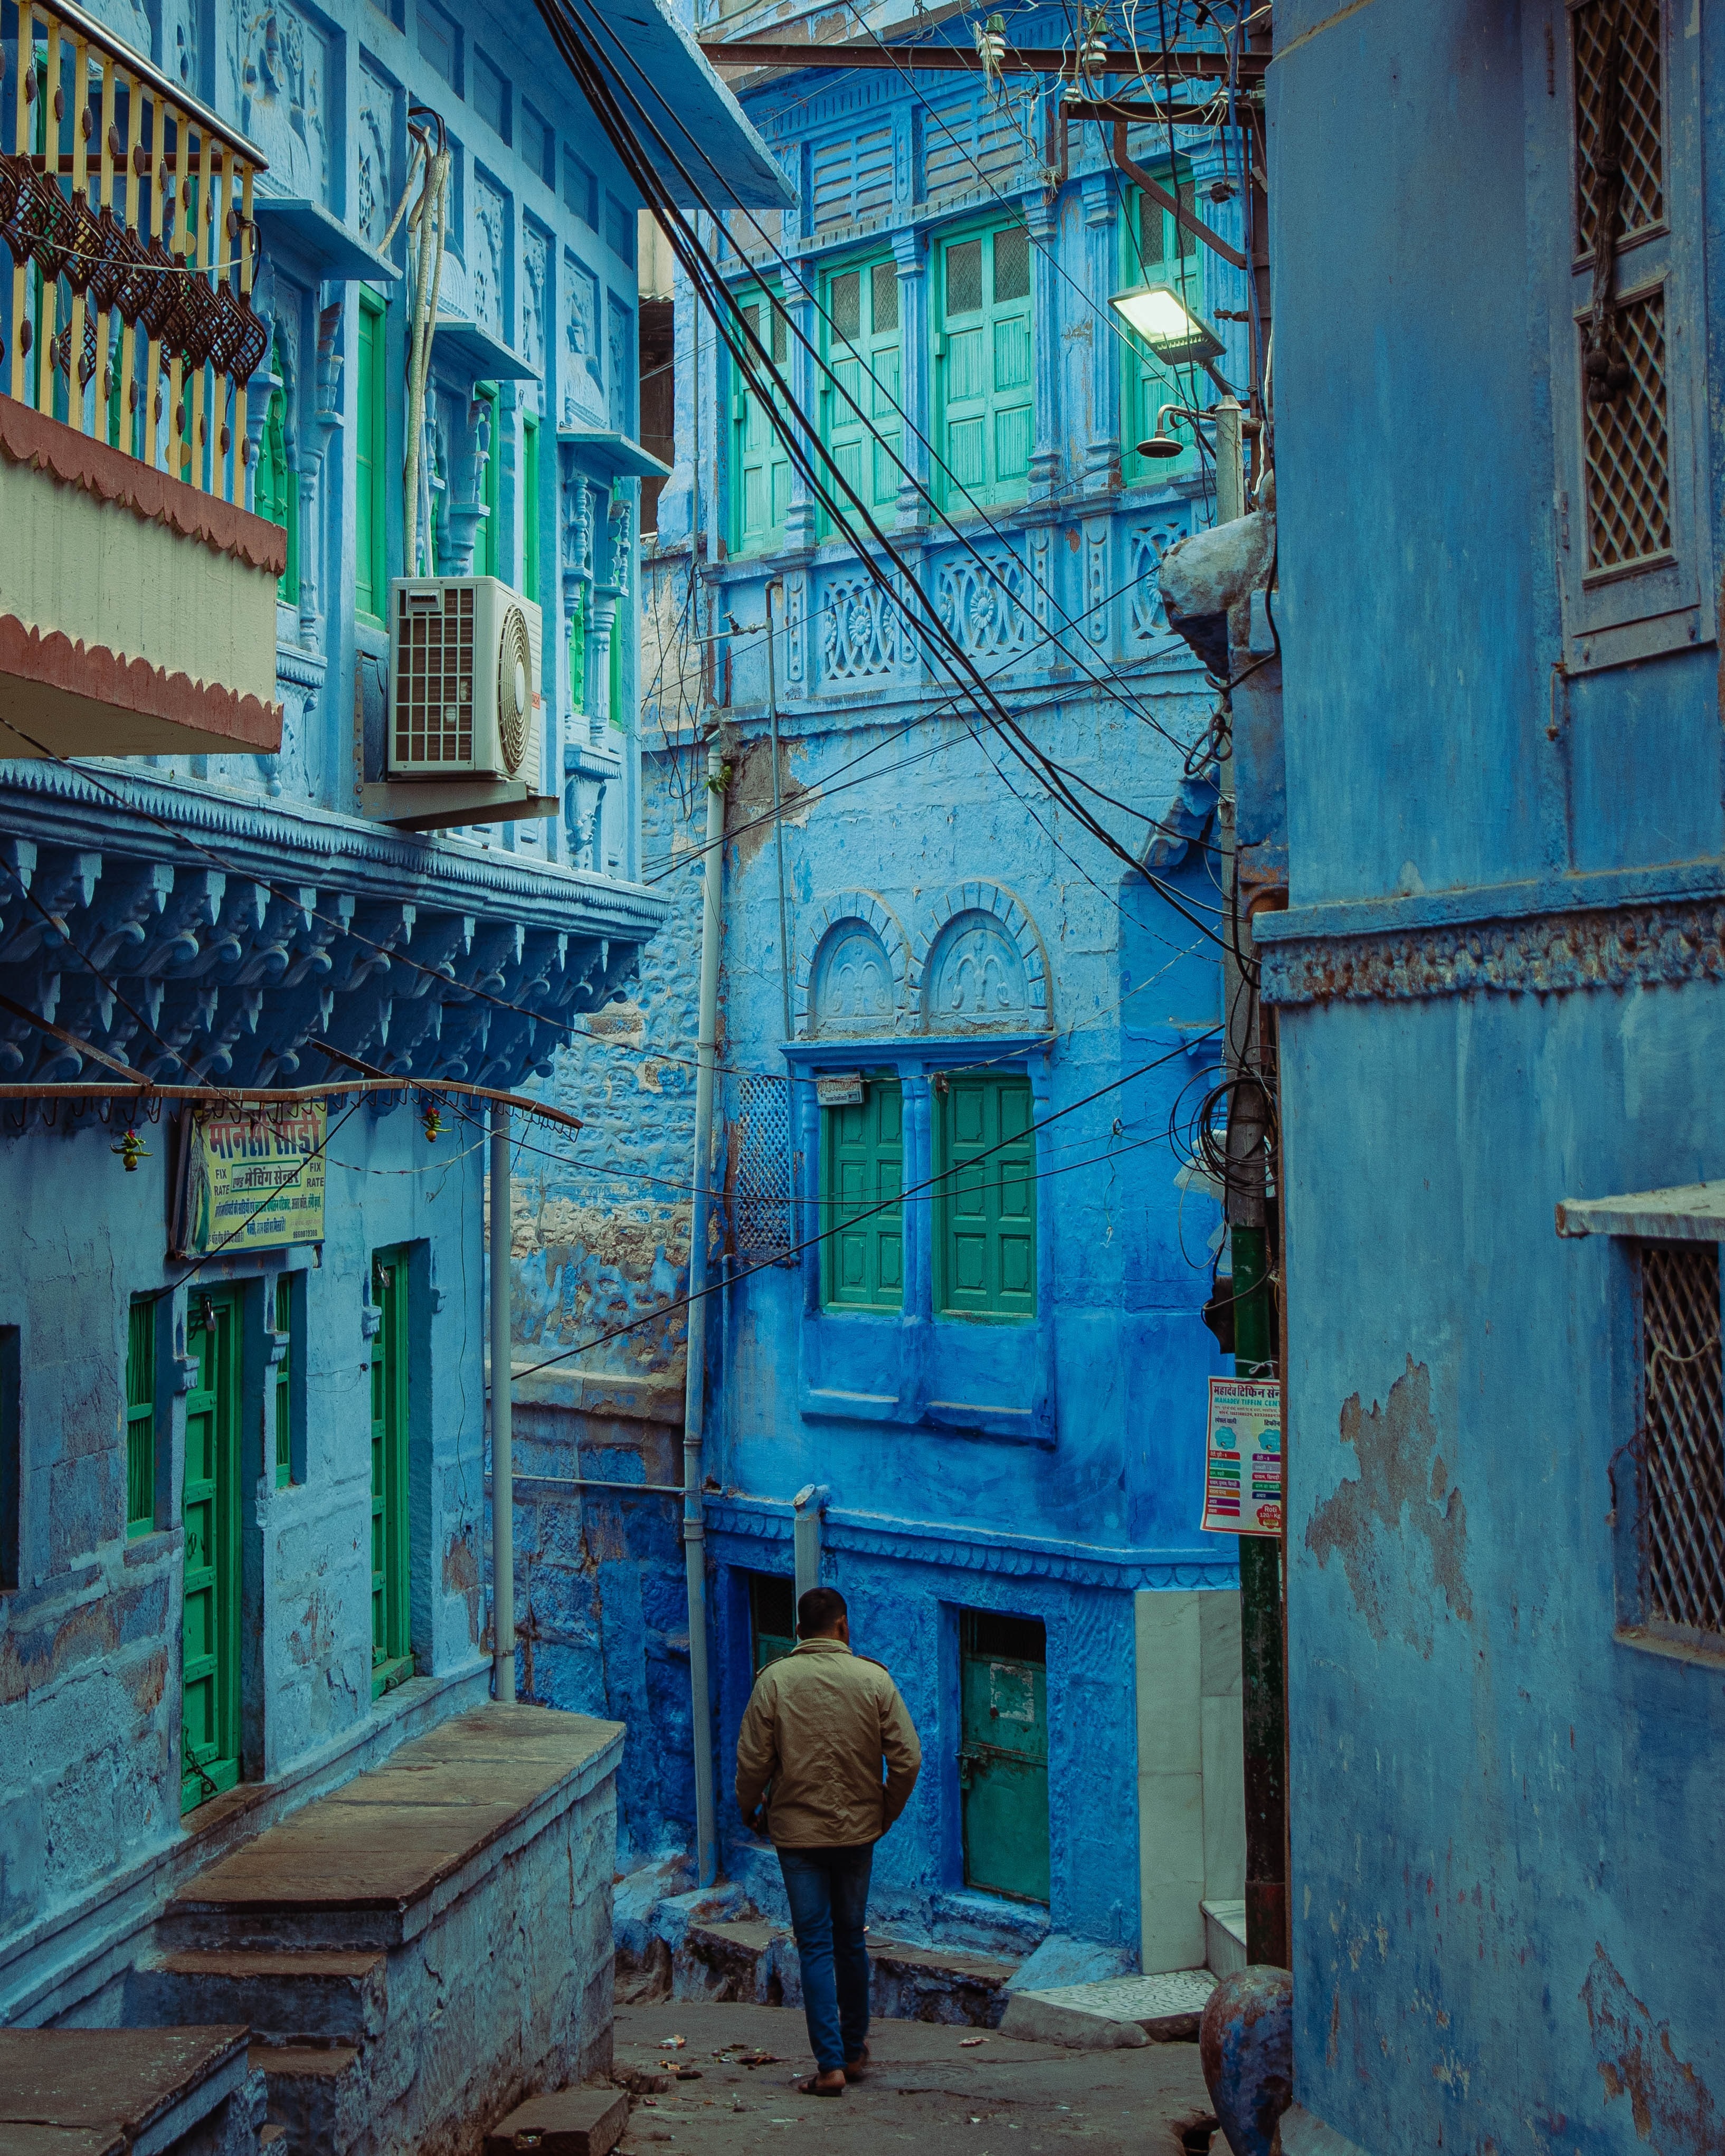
column 1074, row 1474
column 208, row 919
column 1498, row 989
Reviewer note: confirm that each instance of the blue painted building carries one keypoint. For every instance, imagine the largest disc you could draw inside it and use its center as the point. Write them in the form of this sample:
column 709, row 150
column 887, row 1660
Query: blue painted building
column 243, row 1481
column 1497, row 989
column 959, row 1282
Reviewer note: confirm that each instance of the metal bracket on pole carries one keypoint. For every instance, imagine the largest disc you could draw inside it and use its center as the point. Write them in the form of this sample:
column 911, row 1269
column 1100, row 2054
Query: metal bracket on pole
column 810, row 1501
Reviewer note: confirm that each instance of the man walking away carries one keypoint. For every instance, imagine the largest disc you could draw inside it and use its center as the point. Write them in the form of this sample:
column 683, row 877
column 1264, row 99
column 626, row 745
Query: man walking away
column 819, row 1724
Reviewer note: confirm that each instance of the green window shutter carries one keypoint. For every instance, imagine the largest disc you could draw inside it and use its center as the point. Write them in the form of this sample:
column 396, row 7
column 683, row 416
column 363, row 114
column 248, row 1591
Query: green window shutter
column 862, row 1166
column 578, row 652
column 491, row 548
column 985, row 1199
column 982, row 366
column 140, row 1418
column 530, row 509
column 277, row 490
column 760, row 465
column 281, row 1405
column 1157, row 250
column 210, row 1511
column 371, row 591
column 617, row 704
column 862, row 350
column 392, row 1652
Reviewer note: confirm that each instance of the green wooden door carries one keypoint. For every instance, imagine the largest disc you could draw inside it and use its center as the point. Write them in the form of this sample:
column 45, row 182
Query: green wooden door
column 982, row 367
column 861, row 332
column 862, row 1167
column 772, row 1618
column 761, row 466
column 1003, row 1757
column 209, row 1737
column 391, row 1655
column 985, row 1199
column 490, row 546
column 371, row 574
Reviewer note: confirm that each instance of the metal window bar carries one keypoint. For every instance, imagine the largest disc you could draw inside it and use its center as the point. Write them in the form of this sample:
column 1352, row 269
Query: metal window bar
column 1683, row 1386
column 761, row 1194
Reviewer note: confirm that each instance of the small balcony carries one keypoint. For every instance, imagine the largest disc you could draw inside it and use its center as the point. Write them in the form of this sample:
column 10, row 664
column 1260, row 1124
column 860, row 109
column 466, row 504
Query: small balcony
column 137, row 615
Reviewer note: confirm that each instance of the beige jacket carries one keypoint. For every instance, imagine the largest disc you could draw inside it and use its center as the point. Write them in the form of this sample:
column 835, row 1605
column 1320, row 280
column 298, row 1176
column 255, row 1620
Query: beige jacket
column 818, row 1726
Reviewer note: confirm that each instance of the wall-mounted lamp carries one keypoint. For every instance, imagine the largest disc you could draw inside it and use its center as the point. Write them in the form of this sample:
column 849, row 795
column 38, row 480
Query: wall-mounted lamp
column 1162, row 443
column 1162, row 318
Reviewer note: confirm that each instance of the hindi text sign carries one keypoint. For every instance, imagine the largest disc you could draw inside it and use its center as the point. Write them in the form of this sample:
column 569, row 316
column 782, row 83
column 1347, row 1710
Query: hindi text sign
column 253, row 1183
column 1242, row 1475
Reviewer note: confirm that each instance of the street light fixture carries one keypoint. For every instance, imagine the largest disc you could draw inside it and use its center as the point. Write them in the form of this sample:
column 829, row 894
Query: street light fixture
column 1162, row 318
column 1162, row 443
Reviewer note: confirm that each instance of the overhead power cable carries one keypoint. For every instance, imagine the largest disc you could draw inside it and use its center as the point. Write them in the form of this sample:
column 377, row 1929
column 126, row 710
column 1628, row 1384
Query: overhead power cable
column 754, row 363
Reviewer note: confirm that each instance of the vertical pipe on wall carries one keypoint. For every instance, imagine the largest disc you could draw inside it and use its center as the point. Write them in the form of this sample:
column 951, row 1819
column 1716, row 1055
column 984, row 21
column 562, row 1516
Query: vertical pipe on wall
column 784, row 950
column 694, row 1381
column 502, row 1417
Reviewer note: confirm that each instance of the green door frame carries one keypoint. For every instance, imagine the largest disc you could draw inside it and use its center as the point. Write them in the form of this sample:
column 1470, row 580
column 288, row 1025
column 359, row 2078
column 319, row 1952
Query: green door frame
column 1003, row 1755
column 209, row 1728
column 391, row 1648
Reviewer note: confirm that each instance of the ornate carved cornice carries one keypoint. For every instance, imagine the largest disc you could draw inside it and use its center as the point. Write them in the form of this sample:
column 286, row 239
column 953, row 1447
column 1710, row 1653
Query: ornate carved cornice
column 194, row 933
column 955, row 1547
column 1545, row 953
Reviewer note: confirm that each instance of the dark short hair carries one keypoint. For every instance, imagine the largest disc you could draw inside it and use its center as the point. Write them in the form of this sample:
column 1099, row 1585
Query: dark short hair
column 819, row 1609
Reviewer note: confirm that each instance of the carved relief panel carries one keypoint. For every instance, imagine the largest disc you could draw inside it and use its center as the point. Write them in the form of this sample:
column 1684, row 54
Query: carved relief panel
column 277, row 66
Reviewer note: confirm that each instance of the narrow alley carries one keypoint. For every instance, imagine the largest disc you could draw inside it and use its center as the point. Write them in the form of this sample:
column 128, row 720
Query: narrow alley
column 862, row 934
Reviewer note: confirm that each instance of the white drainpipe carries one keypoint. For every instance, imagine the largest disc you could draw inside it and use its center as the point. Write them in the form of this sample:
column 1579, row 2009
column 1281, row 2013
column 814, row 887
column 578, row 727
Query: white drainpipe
column 694, row 1384
column 502, row 1418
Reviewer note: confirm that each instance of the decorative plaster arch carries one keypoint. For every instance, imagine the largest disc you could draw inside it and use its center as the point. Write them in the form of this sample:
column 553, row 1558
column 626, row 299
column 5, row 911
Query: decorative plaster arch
column 1001, row 910
column 865, row 910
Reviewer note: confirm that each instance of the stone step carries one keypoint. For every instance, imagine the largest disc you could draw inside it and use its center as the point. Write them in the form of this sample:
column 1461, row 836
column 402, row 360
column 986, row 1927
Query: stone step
column 284, row 1996
column 755, row 1962
column 315, row 2092
column 1118, row 2013
column 575, row 2122
column 1224, row 1937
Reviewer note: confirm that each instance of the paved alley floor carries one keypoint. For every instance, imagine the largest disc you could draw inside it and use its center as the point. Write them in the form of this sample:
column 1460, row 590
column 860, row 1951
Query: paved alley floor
column 931, row 2089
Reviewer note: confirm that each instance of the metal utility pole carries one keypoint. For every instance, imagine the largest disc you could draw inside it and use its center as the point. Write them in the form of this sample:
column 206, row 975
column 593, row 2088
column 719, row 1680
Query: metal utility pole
column 1263, row 1701
column 502, row 1418
column 712, row 871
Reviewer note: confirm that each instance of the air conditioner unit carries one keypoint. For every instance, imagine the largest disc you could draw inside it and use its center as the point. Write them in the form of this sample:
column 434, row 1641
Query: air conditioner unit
column 464, row 674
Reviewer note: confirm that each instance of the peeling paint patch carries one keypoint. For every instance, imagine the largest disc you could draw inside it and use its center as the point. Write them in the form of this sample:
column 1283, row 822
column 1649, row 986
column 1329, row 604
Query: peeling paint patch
column 461, row 1576
column 1401, row 1472
column 1672, row 2107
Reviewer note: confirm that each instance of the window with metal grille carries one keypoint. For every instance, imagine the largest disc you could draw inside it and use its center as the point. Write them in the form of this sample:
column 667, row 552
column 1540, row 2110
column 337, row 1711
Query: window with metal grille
column 1627, row 241
column 860, row 383
column 761, row 1185
column 1683, row 1418
column 761, row 464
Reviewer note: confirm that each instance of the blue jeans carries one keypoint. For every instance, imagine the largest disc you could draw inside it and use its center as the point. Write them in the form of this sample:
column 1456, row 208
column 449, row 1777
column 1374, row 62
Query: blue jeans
column 829, row 1894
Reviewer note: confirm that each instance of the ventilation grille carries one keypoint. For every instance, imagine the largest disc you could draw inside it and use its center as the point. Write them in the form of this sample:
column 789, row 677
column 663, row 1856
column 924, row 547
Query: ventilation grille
column 1642, row 116
column 1684, row 1389
column 433, row 678
column 761, row 1192
column 1629, row 478
column 852, row 178
column 970, row 146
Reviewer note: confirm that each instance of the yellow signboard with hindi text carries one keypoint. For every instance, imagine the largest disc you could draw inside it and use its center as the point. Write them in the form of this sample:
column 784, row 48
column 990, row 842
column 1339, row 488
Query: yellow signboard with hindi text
column 250, row 1182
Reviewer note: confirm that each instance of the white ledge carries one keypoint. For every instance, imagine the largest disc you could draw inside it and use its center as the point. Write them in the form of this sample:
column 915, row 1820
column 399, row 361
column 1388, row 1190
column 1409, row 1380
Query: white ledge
column 1686, row 1213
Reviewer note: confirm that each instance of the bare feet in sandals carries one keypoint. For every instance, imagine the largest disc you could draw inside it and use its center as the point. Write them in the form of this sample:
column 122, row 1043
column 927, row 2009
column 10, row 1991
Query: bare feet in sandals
column 828, row 2084
column 856, row 2068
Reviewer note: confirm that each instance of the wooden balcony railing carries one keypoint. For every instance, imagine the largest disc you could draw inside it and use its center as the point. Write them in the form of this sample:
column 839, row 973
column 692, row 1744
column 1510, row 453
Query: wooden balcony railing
column 127, row 209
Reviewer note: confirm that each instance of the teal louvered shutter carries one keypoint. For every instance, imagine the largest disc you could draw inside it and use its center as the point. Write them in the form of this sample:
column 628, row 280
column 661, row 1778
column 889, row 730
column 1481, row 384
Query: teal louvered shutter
column 1157, row 250
column 761, row 466
column 985, row 1200
column 862, row 1167
column 983, row 362
column 860, row 305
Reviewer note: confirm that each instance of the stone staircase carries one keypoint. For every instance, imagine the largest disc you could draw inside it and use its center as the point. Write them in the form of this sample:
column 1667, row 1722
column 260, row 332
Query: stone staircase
column 416, row 1952
column 311, row 2013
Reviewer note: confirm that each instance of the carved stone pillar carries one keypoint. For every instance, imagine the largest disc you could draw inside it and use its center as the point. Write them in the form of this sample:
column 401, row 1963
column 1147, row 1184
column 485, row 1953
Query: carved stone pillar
column 801, row 523
column 911, row 257
column 1101, row 245
column 1045, row 473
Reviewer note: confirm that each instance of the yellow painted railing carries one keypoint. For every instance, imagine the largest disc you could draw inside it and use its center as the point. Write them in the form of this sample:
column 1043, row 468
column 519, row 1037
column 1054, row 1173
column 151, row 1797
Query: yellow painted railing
column 127, row 209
